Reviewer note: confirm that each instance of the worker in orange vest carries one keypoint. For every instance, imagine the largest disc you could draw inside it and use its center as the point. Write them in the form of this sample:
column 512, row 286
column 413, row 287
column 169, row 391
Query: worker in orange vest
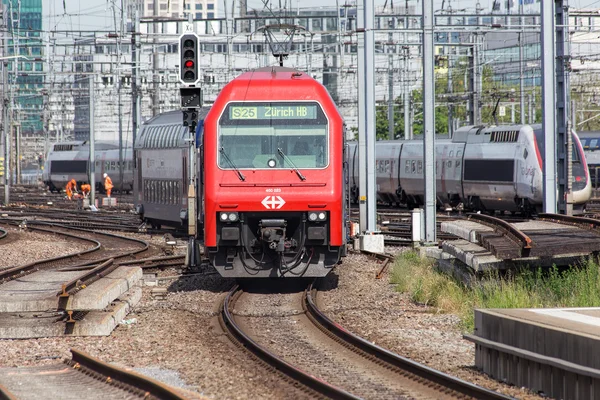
column 70, row 188
column 85, row 189
column 108, row 185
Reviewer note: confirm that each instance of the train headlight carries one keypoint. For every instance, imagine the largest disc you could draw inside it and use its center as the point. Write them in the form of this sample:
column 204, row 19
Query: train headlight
column 233, row 216
column 322, row 216
column 312, row 216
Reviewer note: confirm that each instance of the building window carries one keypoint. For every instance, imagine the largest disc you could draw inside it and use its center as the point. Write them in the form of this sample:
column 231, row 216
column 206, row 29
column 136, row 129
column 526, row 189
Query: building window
column 198, row 6
column 150, row 6
column 163, row 6
column 187, row 6
column 198, row 15
column 210, row 6
column 210, row 15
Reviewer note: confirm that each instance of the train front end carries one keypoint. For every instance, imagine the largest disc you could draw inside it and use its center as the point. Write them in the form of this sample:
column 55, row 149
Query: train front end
column 273, row 177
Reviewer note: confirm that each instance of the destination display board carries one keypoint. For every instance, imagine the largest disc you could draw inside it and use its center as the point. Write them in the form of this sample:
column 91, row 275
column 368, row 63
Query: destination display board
column 262, row 112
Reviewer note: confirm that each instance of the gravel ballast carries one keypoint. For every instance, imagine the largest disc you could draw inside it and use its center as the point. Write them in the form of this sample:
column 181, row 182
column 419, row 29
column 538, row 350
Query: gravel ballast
column 181, row 336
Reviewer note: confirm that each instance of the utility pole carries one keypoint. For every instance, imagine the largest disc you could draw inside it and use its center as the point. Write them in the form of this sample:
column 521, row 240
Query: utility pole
column 119, row 40
column 450, row 90
column 564, row 140
column 135, row 84
column 5, row 127
column 521, row 78
column 406, row 94
column 429, row 123
column 531, row 109
column 17, row 126
column 4, row 103
column 548, row 105
column 474, row 90
column 92, row 144
column 366, row 127
column 156, row 63
column 391, row 124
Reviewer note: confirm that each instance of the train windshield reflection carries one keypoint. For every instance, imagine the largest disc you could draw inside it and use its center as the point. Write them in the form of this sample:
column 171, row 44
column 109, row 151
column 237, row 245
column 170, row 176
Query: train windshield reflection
column 253, row 133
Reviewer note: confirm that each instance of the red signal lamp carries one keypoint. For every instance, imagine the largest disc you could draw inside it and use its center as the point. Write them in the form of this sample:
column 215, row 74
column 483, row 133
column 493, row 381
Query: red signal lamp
column 189, row 64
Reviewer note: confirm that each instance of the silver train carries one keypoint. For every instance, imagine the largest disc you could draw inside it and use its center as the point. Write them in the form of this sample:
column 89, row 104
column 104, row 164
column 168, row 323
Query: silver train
column 70, row 160
column 591, row 148
column 481, row 168
column 162, row 170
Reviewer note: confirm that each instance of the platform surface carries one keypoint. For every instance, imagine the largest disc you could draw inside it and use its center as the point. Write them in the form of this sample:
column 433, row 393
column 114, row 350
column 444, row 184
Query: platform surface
column 577, row 320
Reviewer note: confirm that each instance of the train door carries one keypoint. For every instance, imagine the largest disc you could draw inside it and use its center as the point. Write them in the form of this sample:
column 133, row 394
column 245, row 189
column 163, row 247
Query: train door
column 398, row 170
column 138, row 190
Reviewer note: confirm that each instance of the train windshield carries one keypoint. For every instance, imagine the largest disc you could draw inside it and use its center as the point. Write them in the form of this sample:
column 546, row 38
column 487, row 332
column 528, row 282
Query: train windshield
column 273, row 135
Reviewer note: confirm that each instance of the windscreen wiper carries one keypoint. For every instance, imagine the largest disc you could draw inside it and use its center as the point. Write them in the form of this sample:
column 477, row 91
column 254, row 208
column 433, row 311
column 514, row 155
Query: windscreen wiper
column 282, row 154
column 242, row 177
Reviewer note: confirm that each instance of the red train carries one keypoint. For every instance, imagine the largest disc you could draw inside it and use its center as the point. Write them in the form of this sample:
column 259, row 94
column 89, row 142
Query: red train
column 273, row 166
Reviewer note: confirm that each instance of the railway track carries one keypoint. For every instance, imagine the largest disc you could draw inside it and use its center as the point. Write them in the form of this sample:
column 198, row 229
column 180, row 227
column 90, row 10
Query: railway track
column 40, row 197
column 342, row 365
column 101, row 220
column 82, row 377
column 112, row 247
column 508, row 241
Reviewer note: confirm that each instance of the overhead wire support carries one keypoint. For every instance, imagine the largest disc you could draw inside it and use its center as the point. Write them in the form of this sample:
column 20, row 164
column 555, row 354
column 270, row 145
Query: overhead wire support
column 429, row 123
column 366, row 117
column 549, row 105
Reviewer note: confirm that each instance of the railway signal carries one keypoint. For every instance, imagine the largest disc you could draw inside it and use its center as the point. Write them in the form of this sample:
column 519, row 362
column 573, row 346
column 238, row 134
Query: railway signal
column 188, row 59
column 190, row 118
column 191, row 97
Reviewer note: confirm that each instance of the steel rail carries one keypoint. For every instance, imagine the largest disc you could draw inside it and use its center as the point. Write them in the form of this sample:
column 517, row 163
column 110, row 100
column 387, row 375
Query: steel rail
column 149, row 387
column 508, row 229
column 457, row 385
column 144, row 244
column 15, row 272
column 75, row 285
column 588, row 223
column 12, row 273
column 155, row 261
column 311, row 382
column 384, row 258
column 6, row 394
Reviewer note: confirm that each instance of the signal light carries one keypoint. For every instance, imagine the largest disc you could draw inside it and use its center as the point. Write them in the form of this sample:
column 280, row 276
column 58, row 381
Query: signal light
column 188, row 52
column 190, row 118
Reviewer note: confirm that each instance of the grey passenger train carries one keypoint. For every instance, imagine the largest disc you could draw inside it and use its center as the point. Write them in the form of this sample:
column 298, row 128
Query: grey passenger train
column 71, row 160
column 482, row 168
column 162, row 169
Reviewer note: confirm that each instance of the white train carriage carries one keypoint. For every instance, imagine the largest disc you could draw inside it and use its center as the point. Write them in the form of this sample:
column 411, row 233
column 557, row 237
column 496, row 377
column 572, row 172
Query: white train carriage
column 448, row 172
column 580, row 173
column 502, row 168
column 70, row 160
column 485, row 168
column 591, row 148
column 387, row 163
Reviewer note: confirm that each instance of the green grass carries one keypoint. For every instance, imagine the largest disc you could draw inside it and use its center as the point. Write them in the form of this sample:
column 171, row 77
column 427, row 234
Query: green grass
column 578, row 286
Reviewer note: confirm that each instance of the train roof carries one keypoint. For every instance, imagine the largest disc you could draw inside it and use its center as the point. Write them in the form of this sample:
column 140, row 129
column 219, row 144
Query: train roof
column 488, row 133
column 76, row 145
column 590, row 140
column 165, row 130
column 593, row 134
column 274, row 72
